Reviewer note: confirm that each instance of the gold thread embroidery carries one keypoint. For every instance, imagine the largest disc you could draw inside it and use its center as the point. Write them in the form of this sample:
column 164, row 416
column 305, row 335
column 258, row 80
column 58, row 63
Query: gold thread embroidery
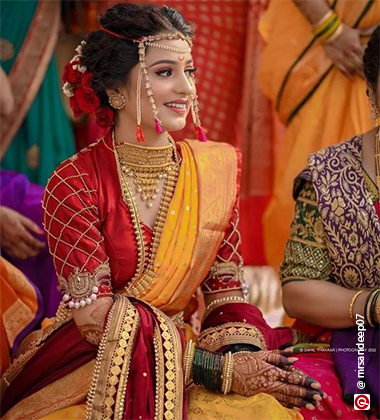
column 112, row 363
column 82, row 288
column 350, row 221
column 83, row 213
column 212, row 339
column 35, row 341
column 173, row 396
column 160, row 374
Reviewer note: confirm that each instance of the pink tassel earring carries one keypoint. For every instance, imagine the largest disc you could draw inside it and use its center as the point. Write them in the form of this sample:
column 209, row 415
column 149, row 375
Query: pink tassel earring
column 158, row 125
column 199, row 130
column 139, row 133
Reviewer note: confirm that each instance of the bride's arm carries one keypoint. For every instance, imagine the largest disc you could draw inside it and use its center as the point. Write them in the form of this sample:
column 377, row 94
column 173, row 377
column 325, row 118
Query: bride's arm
column 73, row 227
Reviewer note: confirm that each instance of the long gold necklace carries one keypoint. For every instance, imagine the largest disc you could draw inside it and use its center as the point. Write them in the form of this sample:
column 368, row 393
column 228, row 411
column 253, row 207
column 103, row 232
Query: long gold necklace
column 144, row 276
column 147, row 166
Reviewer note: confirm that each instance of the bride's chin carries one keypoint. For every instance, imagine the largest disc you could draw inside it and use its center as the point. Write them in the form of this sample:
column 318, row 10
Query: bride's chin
column 175, row 126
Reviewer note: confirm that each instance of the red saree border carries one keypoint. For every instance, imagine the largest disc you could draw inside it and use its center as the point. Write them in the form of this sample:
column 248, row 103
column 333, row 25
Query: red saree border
column 26, row 77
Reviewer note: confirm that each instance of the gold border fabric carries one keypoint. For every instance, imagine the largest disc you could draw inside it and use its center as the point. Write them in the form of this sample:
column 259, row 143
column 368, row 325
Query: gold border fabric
column 229, row 333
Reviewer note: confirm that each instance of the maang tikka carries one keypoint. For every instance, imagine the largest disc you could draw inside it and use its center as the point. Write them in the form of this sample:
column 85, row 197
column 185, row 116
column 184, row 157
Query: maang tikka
column 142, row 77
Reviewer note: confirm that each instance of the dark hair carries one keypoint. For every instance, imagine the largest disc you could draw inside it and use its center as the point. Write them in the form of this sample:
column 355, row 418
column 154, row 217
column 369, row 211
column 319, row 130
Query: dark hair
column 372, row 59
column 110, row 59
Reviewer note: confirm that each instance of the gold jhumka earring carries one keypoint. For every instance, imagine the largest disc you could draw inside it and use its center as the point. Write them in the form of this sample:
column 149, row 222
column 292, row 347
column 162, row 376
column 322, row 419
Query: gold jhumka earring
column 117, row 100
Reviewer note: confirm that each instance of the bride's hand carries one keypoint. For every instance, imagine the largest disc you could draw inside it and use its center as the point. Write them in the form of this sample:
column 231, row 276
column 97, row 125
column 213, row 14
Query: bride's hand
column 272, row 372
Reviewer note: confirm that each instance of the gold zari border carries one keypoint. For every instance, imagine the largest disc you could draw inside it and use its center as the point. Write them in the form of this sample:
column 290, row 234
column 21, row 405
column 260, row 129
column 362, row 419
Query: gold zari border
column 68, row 391
column 173, row 378
column 229, row 333
column 106, row 397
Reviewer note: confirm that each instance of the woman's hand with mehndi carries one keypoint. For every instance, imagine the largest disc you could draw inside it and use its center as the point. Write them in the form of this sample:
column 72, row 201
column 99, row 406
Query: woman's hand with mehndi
column 272, row 372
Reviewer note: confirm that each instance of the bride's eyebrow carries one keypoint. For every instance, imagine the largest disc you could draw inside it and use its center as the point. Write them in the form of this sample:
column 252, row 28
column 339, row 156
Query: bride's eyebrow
column 169, row 62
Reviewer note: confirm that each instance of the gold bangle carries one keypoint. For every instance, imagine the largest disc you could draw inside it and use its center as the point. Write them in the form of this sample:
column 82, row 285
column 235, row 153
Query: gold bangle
column 330, row 32
column 353, row 299
column 334, row 36
column 323, row 20
column 376, row 314
column 188, row 360
column 227, row 372
column 321, row 30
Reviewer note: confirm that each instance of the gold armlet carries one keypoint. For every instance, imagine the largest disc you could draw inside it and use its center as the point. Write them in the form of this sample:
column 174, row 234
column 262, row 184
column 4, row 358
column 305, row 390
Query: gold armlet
column 82, row 288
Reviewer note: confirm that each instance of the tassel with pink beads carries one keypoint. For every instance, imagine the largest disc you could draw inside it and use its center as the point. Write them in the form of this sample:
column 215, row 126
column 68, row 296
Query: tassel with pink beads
column 158, row 125
column 201, row 133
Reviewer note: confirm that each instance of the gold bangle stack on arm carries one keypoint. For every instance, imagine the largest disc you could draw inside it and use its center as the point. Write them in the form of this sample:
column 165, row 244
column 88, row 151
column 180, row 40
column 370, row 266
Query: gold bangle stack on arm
column 227, row 372
column 353, row 299
column 328, row 28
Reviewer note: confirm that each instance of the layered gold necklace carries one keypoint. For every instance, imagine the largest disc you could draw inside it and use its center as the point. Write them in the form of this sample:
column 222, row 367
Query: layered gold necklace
column 147, row 166
column 135, row 165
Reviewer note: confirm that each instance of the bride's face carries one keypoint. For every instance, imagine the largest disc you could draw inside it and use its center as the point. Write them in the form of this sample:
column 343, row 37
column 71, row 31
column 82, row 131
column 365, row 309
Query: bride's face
column 170, row 77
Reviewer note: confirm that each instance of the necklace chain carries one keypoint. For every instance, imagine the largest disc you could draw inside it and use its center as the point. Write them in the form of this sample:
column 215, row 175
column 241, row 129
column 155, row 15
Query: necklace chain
column 146, row 167
column 144, row 277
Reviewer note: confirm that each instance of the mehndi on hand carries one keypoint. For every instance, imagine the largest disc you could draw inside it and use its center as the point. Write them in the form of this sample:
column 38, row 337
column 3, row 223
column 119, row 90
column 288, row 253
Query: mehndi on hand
column 272, row 372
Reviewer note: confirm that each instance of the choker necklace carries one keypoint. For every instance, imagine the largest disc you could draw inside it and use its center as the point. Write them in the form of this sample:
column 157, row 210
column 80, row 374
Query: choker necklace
column 147, row 166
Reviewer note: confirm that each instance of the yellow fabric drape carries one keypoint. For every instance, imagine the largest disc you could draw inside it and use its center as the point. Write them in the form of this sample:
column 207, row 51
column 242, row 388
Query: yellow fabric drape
column 197, row 219
column 205, row 405
column 18, row 308
column 337, row 110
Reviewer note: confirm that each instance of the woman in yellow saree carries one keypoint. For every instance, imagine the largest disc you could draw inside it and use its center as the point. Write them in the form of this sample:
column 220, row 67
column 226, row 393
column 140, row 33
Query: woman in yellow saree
column 136, row 224
column 317, row 89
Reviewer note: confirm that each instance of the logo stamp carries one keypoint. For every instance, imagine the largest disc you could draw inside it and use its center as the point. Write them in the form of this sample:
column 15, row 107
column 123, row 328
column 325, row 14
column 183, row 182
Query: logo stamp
column 362, row 402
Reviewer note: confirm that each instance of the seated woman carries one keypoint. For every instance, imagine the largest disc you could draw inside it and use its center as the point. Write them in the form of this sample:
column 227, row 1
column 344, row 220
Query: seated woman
column 331, row 270
column 136, row 224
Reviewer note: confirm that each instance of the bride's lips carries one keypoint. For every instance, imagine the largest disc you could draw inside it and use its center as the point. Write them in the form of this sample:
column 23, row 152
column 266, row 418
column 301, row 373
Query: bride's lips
column 179, row 106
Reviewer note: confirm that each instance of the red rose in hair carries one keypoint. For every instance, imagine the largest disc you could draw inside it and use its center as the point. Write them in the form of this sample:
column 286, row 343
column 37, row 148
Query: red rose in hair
column 70, row 75
column 75, row 107
column 86, row 81
column 104, row 117
column 87, row 99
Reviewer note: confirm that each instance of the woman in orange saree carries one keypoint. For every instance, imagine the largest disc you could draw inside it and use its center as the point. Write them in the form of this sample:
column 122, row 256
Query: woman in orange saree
column 21, row 310
column 318, row 103
column 136, row 224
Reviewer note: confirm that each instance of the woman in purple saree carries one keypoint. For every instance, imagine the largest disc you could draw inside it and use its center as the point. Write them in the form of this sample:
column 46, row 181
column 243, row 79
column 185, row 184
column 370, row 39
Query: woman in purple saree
column 331, row 270
column 23, row 243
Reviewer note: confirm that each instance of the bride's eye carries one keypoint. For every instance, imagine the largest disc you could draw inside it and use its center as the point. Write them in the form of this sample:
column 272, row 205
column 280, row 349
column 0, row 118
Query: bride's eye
column 191, row 71
column 164, row 73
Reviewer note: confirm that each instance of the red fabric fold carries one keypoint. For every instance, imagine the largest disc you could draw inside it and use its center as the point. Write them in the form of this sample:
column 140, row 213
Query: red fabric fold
column 275, row 338
column 64, row 351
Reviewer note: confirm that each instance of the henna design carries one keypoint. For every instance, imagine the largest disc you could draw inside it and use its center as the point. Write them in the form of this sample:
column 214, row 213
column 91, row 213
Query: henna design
column 100, row 312
column 271, row 373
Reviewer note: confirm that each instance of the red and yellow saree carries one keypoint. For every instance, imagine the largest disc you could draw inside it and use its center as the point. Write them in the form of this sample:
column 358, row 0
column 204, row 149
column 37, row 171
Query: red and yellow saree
column 94, row 232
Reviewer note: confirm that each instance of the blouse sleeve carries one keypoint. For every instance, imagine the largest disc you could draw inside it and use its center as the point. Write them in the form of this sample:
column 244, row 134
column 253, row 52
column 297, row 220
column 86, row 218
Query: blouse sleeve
column 306, row 253
column 227, row 271
column 71, row 220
